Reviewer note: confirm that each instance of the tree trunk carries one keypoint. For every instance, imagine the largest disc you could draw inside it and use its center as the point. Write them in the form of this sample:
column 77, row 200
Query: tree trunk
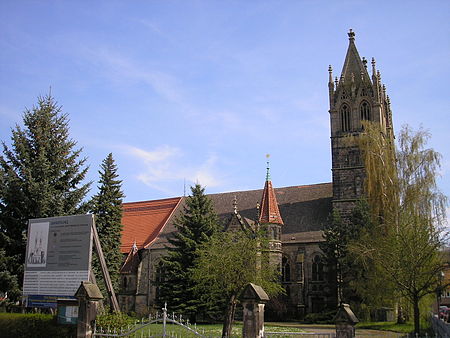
column 229, row 317
column 416, row 314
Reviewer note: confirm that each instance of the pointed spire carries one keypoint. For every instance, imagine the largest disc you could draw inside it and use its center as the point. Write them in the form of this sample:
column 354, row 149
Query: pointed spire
column 330, row 77
column 269, row 212
column 132, row 261
column 353, row 64
column 374, row 72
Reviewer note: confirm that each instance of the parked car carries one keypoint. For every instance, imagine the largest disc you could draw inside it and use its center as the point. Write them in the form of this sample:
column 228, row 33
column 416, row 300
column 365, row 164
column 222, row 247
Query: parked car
column 444, row 313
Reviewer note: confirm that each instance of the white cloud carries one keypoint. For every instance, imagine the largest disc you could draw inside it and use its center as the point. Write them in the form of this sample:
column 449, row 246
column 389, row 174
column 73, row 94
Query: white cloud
column 122, row 69
column 164, row 166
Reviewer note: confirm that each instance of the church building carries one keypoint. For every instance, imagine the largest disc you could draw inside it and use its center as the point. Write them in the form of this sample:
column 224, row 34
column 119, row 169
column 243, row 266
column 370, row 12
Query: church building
column 295, row 216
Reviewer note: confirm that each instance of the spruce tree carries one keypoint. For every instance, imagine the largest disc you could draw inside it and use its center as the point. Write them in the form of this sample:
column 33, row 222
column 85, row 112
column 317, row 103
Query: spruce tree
column 41, row 175
column 195, row 226
column 107, row 207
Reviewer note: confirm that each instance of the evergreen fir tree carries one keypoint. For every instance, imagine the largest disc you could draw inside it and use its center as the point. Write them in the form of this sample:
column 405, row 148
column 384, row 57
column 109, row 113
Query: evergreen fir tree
column 194, row 227
column 41, row 175
column 339, row 237
column 107, row 207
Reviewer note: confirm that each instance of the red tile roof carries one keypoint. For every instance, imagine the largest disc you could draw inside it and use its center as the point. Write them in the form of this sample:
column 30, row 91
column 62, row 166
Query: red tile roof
column 142, row 221
column 269, row 206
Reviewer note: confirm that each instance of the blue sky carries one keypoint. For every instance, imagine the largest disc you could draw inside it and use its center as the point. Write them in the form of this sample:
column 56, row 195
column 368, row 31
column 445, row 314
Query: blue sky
column 203, row 90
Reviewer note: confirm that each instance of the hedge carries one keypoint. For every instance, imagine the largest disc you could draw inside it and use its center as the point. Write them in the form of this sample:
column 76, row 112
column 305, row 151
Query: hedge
column 33, row 325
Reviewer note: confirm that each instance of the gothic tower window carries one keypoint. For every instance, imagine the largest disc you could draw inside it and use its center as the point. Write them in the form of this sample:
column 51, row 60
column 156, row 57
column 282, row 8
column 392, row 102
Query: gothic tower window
column 286, row 270
column 317, row 269
column 345, row 118
column 364, row 109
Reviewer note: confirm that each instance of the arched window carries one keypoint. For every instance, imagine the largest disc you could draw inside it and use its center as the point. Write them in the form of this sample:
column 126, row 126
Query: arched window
column 286, row 270
column 345, row 118
column 317, row 269
column 364, row 110
column 159, row 278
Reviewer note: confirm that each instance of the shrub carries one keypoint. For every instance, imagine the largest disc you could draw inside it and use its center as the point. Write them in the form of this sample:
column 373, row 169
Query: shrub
column 33, row 325
column 113, row 321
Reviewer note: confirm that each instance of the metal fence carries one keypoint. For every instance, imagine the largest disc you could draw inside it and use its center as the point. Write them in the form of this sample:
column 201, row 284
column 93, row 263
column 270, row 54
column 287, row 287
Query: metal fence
column 148, row 328
column 299, row 334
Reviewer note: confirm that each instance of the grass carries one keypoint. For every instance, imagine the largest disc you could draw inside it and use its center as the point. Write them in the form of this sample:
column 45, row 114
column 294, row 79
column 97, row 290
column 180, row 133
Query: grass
column 393, row 326
column 386, row 326
column 214, row 330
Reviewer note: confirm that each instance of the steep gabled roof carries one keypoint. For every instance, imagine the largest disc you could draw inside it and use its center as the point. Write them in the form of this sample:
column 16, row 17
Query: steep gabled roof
column 142, row 221
column 305, row 210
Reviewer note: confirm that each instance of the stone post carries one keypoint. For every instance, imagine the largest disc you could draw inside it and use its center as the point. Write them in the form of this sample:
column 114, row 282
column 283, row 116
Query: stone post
column 345, row 322
column 88, row 295
column 253, row 299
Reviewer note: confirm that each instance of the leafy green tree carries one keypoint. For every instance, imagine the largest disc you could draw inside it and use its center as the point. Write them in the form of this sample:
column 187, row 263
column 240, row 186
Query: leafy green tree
column 195, row 226
column 365, row 280
column 41, row 175
column 107, row 207
column 408, row 211
column 227, row 263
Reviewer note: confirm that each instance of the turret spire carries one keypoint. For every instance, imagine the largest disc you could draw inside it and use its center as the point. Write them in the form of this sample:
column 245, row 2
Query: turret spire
column 269, row 212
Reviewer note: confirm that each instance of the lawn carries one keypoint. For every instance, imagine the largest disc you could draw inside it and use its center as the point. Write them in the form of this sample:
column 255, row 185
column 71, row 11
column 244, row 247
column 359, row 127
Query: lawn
column 210, row 330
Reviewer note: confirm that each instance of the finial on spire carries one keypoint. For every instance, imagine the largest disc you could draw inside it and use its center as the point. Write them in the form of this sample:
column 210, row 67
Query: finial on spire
column 373, row 67
column 364, row 61
column 330, row 72
column 268, row 168
column 258, row 206
column 336, row 81
column 351, row 35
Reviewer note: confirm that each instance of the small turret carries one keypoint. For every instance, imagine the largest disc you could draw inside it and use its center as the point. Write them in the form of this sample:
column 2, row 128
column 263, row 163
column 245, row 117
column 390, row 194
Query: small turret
column 270, row 220
column 330, row 85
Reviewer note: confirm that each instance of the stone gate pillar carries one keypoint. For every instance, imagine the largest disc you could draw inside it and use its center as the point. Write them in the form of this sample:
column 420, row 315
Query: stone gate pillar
column 88, row 295
column 345, row 322
column 253, row 299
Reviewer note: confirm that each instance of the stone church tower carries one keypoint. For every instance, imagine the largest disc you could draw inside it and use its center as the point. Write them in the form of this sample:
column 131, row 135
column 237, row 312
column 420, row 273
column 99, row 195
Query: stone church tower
column 354, row 97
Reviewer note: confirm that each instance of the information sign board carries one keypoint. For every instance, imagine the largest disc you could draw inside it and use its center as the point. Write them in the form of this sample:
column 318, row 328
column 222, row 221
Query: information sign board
column 58, row 258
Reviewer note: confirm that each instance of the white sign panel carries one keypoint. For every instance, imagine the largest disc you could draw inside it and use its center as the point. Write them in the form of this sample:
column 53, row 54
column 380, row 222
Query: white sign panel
column 58, row 256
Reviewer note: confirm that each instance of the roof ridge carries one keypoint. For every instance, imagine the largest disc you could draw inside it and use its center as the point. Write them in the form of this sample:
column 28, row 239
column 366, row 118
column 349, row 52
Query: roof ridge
column 152, row 201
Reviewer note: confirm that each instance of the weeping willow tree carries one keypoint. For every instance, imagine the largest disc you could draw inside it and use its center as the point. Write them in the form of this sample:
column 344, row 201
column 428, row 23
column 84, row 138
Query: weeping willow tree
column 407, row 209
